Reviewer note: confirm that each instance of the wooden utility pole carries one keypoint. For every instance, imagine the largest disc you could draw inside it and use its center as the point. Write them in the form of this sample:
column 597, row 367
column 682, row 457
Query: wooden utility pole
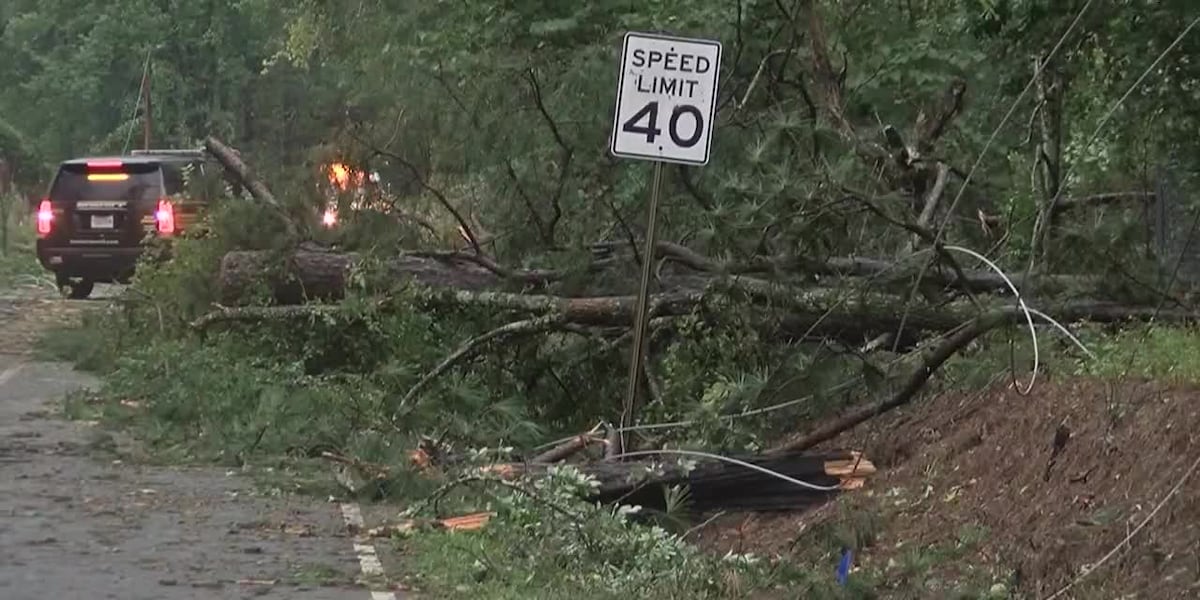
column 6, row 205
column 148, row 115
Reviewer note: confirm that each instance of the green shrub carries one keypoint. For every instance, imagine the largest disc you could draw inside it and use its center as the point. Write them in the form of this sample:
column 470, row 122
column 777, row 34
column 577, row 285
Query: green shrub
column 546, row 542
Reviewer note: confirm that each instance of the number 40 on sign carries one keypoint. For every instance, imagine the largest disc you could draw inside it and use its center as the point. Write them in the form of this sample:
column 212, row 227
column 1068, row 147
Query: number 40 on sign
column 666, row 98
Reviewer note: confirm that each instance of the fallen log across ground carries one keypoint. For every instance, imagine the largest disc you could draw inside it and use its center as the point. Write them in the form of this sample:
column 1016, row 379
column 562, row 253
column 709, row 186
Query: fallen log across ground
column 301, row 276
column 807, row 314
column 305, row 275
column 882, row 271
column 717, row 485
column 797, row 311
column 746, row 483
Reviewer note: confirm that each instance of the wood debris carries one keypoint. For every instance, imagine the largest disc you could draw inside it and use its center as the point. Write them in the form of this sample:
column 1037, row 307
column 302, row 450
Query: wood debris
column 469, row 522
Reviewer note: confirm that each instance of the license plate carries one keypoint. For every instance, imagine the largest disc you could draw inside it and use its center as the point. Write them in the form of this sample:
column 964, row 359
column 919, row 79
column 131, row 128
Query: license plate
column 102, row 221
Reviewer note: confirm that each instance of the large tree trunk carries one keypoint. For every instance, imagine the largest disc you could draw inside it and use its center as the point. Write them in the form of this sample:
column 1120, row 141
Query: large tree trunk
column 714, row 485
column 308, row 275
column 792, row 311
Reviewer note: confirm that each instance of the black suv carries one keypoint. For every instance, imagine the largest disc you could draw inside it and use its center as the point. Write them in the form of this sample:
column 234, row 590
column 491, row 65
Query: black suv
column 92, row 223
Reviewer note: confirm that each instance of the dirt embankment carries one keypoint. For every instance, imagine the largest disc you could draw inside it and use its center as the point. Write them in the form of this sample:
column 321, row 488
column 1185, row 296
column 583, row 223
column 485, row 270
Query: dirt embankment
column 1026, row 491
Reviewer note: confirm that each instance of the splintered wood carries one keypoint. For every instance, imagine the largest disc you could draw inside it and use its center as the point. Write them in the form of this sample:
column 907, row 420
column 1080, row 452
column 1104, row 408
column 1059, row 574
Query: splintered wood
column 853, row 472
column 469, row 522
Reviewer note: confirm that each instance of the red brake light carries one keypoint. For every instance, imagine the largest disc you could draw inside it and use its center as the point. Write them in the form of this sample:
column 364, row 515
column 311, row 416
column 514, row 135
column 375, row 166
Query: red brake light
column 45, row 217
column 105, row 164
column 164, row 217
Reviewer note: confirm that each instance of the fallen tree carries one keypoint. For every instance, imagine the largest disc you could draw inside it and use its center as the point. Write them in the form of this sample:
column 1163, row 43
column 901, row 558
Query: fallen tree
column 747, row 483
column 881, row 270
column 795, row 312
column 753, row 483
column 244, row 176
column 931, row 359
column 309, row 275
column 301, row 276
column 850, row 319
column 783, row 481
column 933, row 356
column 816, row 309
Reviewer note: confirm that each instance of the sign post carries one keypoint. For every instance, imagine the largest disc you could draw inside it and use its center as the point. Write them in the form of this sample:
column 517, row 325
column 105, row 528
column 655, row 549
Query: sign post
column 666, row 101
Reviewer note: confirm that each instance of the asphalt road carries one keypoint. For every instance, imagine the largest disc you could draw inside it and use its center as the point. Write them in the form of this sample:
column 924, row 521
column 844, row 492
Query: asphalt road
column 77, row 524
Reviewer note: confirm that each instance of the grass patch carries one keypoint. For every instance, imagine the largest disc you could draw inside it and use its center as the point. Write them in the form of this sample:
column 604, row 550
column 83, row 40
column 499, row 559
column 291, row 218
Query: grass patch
column 1169, row 353
column 318, row 575
column 219, row 403
column 545, row 542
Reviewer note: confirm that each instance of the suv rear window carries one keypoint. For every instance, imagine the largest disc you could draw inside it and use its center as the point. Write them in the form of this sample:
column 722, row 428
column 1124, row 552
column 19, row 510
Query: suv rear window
column 76, row 182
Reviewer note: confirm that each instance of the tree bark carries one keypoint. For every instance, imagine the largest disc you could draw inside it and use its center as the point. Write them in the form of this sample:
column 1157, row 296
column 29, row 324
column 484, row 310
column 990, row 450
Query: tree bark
column 229, row 158
column 931, row 361
column 568, row 448
column 715, row 485
column 307, row 275
column 790, row 311
column 1051, row 86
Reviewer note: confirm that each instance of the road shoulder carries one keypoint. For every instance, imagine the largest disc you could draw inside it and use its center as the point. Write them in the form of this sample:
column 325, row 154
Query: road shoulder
column 76, row 526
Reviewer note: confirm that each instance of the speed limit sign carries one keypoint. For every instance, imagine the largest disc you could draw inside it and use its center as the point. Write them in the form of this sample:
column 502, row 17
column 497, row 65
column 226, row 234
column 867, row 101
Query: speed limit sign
column 666, row 98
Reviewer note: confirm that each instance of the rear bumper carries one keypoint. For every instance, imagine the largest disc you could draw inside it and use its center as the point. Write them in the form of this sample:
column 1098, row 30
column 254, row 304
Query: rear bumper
column 96, row 263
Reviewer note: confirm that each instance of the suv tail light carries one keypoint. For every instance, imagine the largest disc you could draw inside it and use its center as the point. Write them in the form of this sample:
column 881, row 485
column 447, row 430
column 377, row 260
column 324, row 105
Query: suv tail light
column 45, row 217
column 164, row 217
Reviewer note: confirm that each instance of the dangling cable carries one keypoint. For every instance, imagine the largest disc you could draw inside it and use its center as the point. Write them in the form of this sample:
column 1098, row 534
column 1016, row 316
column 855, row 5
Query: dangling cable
column 137, row 104
column 1024, row 309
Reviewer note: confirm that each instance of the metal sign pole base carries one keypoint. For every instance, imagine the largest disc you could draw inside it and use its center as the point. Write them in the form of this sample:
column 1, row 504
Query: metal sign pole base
column 639, row 324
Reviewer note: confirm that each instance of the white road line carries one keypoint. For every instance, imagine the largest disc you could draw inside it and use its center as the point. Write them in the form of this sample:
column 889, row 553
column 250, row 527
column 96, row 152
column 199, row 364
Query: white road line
column 368, row 560
column 9, row 373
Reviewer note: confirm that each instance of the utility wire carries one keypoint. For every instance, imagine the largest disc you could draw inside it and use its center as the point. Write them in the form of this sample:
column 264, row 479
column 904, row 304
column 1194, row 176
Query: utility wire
column 137, row 104
column 941, row 230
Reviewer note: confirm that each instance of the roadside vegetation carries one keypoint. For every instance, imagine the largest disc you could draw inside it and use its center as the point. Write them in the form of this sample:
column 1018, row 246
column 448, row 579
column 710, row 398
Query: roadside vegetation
column 18, row 265
column 826, row 264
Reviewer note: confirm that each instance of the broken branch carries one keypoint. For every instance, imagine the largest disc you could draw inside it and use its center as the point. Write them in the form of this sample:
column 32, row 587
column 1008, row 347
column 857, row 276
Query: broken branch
column 1105, row 199
column 228, row 157
column 567, row 448
column 473, row 345
column 930, row 362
